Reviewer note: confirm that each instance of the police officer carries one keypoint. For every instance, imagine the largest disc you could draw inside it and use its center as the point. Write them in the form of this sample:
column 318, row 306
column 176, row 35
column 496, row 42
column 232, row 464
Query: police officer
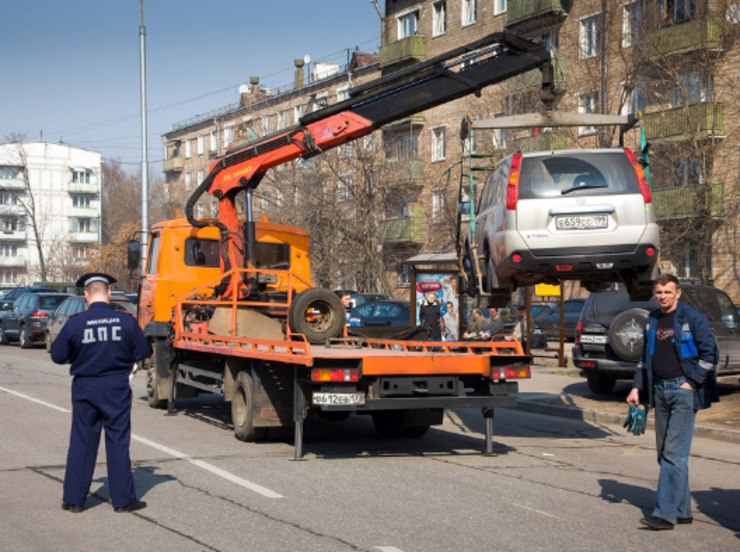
column 102, row 346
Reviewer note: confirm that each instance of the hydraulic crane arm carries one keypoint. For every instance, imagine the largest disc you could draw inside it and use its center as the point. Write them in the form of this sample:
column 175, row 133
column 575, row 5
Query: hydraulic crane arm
column 445, row 78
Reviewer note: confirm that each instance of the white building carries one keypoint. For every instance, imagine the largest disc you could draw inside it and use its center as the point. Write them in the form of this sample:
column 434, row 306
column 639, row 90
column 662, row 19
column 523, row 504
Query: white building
column 49, row 195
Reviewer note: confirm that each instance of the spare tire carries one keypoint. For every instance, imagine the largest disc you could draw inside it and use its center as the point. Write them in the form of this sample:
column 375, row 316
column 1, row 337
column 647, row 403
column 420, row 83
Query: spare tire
column 627, row 333
column 318, row 314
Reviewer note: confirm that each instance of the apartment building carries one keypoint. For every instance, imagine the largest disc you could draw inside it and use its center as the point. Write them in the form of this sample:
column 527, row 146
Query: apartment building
column 50, row 210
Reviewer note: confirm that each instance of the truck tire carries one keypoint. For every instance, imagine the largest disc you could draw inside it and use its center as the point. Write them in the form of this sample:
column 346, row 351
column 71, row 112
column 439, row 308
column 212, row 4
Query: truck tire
column 318, row 314
column 626, row 334
column 3, row 336
column 389, row 424
column 241, row 410
column 47, row 342
column 152, row 390
column 23, row 340
column 601, row 385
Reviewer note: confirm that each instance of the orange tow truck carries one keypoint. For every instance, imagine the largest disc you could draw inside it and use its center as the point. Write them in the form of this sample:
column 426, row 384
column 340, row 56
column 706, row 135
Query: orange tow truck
column 229, row 308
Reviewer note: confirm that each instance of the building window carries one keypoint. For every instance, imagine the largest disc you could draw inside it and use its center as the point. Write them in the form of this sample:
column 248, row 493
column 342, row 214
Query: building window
column 201, row 176
column 7, row 198
column 499, row 7
column 343, row 93
column 634, row 102
column 408, row 25
column 687, row 172
column 11, row 225
column 677, row 11
column 81, row 202
column 201, row 145
column 470, row 144
column 469, row 12
column 589, row 36
column 8, row 250
column 281, row 116
column 81, row 177
column 8, row 173
column 499, row 139
column 228, row 136
column 402, row 276
column 9, row 277
column 265, row 125
column 439, row 18
column 321, row 101
column 369, row 142
column 297, row 113
column 83, row 225
column 438, row 206
column 81, row 252
column 188, row 181
column 692, row 88
column 631, row 24
column 587, row 103
column 439, row 144
column 188, row 149
column 214, row 140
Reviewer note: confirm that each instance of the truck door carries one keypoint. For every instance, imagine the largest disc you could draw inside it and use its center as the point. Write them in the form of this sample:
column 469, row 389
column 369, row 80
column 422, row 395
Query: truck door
column 149, row 283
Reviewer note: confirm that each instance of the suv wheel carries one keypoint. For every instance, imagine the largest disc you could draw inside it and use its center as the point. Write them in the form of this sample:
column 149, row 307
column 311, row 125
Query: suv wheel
column 601, row 385
column 627, row 333
column 23, row 340
column 3, row 336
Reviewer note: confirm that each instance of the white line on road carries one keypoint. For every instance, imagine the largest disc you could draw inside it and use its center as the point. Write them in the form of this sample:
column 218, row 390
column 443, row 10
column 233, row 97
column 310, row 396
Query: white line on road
column 172, row 452
column 388, row 549
column 533, row 510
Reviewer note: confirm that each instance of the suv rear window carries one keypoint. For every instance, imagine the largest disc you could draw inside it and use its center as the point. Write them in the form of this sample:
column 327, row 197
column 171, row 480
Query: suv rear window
column 577, row 174
column 605, row 305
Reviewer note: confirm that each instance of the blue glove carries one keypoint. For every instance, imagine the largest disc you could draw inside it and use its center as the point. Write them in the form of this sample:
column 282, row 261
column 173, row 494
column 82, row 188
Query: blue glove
column 636, row 420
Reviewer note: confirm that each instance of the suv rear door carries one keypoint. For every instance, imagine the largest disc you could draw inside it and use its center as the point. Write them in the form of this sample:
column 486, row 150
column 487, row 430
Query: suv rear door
column 704, row 299
column 731, row 321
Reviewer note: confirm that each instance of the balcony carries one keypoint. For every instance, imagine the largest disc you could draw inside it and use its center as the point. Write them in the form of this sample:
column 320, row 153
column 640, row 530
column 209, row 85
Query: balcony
column 526, row 15
column 689, row 36
column 173, row 164
column 402, row 230
column 12, row 262
column 12, row 184
column 533, row 79
column 12, row 236
column 84, row 212
column 90, row 188
column 544, row 141
column 83, row 237
column 699, row 120
column 682, row 202
column 409, row 48
column 12, row 210
column 407, row 172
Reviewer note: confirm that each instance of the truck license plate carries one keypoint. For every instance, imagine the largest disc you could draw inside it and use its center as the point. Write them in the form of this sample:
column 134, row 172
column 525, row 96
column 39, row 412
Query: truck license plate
column 584, row 222
column 338, row 399
column 596, row 339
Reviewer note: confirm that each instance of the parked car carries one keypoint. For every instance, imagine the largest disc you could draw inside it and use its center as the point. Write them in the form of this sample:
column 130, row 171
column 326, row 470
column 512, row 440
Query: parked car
column 73, row 305
column 549, row 318
column 8, row 296
column 610, row 334
column 582, row 215
column 381, row 313
column 358, row 299
column 26, row 321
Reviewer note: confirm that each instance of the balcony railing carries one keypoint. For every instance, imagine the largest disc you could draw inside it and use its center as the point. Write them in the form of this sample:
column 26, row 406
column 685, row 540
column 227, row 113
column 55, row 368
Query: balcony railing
column 698, row 34
column 409, row 171
column 83, row 187
column 680, row 123
column 12, row 262
column 533, row 79
column 12, row 235
column 544, row 141
column 521, row 11
column 689, row 201
column 173, row 164
column 14, row 184
column 84, row 212
column 402, row 230
column 409, row 48
column 83, row 237
column 12, row 210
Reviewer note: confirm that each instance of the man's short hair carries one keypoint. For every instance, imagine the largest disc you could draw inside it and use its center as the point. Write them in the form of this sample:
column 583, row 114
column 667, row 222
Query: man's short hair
column 97, row 287
column 665, row 279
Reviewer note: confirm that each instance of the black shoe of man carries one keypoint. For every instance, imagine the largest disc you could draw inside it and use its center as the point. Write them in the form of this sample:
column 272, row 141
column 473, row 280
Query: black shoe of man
column 684, row 521
column 74, row 508
column 656, row 523
column 135, row 505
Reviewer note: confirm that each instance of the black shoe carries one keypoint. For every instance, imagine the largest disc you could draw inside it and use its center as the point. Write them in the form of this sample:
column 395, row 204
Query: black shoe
column 684, row 521
column 135, row 505
column 72, row 508
column 659, row 524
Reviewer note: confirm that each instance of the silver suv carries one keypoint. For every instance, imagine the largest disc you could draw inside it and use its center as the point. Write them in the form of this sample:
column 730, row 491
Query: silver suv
column 565, row 215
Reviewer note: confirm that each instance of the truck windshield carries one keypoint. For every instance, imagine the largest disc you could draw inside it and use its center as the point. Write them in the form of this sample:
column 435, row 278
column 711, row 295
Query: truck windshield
column 204, row 252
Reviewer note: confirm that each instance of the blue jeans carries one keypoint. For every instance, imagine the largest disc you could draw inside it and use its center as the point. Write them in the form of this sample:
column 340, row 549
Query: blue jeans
column 674, row 428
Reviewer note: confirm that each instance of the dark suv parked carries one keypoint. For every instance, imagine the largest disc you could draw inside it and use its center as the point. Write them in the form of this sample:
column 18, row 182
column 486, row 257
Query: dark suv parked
column 27, row 320
column 610, row 335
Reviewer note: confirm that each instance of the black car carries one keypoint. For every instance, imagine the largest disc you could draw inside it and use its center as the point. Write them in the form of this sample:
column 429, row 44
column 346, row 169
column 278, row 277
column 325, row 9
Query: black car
column 26, row 321
column 381, row 313
column 548, row 319
column 610, row 334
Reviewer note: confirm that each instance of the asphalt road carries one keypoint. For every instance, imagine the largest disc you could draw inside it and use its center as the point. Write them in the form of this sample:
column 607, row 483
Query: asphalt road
column 555, row 483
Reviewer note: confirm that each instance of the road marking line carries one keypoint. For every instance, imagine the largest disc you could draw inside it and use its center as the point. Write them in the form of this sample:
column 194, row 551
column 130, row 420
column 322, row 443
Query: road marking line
column 388, row 549
column 172, row 452
column 533, row 510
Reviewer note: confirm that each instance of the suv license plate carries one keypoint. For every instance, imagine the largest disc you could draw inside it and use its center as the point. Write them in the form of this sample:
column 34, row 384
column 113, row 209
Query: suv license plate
column 596, row 339
column 339, row 399
column 586, row 222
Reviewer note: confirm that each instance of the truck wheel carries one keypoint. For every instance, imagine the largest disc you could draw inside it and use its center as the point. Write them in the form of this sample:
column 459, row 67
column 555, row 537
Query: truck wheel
column 241, row 410
column 47, row 341
column 601, row 385
column 23, row 340
column 389, row 424
column 3, row 336
column 318, row 314
column 152, row 389
column 627, row 333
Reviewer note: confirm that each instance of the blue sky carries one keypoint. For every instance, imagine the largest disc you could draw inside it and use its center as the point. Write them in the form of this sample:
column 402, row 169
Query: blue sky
column 70, row 68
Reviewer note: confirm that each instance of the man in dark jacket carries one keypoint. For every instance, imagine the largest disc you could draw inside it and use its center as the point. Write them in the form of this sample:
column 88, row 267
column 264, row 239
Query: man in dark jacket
column 102, row 345
column 677, row 375
column 429, row 315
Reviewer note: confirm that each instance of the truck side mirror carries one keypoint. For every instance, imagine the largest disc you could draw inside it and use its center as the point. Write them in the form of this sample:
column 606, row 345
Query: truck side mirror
column 134, row 255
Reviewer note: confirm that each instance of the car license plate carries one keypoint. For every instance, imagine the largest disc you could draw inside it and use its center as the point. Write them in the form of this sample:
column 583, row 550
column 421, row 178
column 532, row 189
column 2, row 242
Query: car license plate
column 596, row 339
column 585, row 222
column 338, row 399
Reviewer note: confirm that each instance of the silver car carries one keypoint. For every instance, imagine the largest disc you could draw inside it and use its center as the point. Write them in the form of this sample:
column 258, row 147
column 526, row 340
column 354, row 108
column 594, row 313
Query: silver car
column 564, row 215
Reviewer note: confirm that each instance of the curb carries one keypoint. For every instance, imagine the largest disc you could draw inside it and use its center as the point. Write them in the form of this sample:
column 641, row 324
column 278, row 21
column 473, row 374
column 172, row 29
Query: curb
column 726, row 435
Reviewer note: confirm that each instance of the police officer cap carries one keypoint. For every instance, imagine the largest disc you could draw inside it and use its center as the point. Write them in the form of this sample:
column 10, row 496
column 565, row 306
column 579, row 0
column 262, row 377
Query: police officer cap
column 87, row 279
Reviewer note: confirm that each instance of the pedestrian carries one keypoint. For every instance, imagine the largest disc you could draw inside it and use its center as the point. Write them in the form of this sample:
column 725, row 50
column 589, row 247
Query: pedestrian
column 346, row 298
column 429, row 315
column 475, row 326
column 102, row 345
column 677, row 375
column 493, row 326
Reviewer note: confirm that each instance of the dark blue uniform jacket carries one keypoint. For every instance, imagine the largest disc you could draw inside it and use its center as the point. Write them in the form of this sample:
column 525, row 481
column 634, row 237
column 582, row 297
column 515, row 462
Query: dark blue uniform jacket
column 100, row 341
column 697, row 353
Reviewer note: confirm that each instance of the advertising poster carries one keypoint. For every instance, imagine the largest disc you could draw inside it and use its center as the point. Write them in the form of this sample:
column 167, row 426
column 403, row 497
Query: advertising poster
column 444, row 287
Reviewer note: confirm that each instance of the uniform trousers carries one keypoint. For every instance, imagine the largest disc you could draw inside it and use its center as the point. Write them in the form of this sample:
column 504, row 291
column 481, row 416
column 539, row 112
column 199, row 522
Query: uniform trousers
column 100, row 402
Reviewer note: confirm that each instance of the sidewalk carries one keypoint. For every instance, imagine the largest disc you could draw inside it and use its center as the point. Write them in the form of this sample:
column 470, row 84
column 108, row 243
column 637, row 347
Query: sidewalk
column 563, row 392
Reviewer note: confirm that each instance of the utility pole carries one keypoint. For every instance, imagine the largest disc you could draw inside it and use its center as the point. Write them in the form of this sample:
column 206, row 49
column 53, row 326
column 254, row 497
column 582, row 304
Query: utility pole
column 144, row 160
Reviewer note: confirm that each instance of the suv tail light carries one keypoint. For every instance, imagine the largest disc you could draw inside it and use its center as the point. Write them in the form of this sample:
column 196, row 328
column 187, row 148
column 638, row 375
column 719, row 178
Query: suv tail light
column 641, row 178
column 579, row 331
column 39, row 314
column 512, row 185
